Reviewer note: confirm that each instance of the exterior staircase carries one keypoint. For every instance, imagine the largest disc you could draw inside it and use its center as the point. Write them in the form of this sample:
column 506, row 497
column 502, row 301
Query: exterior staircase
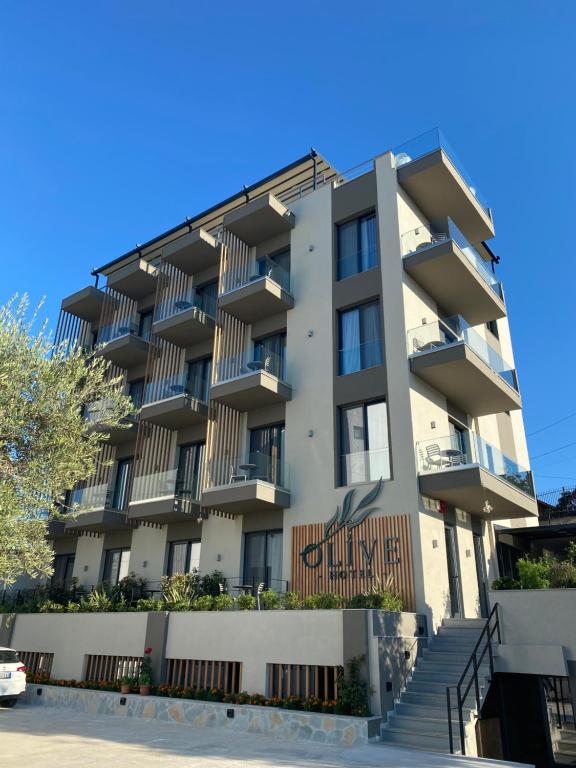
column 419, row 719
column 565, row 752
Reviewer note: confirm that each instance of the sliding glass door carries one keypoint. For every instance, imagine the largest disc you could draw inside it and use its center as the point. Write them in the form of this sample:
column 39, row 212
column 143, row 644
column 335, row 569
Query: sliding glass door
column 267, row 453
column 189, row 470
column 263, row 559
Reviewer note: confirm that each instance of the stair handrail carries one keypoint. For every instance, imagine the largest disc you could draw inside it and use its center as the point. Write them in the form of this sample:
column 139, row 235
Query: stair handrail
column 475, row 661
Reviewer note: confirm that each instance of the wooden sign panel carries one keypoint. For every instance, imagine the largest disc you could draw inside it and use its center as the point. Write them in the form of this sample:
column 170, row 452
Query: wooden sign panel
column 351, row 561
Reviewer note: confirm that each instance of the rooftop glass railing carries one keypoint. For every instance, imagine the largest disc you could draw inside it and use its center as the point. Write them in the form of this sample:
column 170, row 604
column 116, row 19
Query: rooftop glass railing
column 255, row 271
column 159, row 485
column 467, row 448
column 246, row 467
column 182, row 302
column 423, row 237
column 247, row 363
column 454, row 330
column 125, row 326
column 429, row 142
column 179, row 384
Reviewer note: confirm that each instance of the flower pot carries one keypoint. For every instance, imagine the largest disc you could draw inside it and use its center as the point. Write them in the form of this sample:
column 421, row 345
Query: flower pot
column 144, row 690
column 125, row 688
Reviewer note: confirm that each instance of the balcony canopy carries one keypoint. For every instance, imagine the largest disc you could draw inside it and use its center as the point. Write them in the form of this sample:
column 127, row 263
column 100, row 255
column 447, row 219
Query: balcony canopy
column 259, row 220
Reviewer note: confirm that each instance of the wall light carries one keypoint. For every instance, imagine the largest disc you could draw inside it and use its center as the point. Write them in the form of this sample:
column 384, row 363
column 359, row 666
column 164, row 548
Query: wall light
column 434, row 543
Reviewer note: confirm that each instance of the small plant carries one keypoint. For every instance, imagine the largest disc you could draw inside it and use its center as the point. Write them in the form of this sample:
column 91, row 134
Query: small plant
column 149, row 604
column 291, row 601
column 210, row 583
column 533, row 574
column 505, row 582
column 223, row 602
column 270, row 600
column 203, row 603
column 246, row 602
column 96, row 601
column 353, row 691
column 310, row 603
column 178, row 591
column 145, row 673
column 51, row 607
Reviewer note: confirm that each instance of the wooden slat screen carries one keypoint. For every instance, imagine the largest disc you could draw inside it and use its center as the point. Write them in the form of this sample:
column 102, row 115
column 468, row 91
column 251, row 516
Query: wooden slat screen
column 111, row 668
column 302, row 680
column 194, row 673
column 351, row 580
column 37, row 662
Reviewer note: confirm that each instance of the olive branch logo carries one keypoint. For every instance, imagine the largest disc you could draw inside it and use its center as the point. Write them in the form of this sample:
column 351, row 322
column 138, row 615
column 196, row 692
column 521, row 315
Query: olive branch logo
column 347, row 518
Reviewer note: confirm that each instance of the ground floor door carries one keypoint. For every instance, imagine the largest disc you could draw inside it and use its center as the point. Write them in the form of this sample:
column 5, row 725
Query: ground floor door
column 453, row 571
column 481, row 574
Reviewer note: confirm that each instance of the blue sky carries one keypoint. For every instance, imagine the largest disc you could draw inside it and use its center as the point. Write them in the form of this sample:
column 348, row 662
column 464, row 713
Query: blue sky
column 119, row 118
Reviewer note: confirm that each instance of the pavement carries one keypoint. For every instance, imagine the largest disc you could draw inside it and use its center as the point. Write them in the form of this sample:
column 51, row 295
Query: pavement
column 54, row 737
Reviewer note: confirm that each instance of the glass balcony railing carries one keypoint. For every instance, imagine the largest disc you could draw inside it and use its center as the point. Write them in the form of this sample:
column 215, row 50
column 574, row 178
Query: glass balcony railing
column 422, row 237
column 184, row 301
column 359, row 357
column 429, row 142
column 468, row 448
column 180, row 384
column 247, row 363
column 92, row 497
column 454, row 330
column 249, row 466
column 365, row 466
column 126, row 326
column 102, row 411
column 255, row 271
column 354, row 263
column 159, row 485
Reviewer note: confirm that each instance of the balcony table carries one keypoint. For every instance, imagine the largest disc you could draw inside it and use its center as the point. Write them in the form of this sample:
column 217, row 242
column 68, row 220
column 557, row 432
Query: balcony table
column 255, row 365
column 453, row 455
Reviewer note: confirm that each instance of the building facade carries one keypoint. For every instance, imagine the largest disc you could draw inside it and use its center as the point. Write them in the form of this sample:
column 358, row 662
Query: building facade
column 327, row 391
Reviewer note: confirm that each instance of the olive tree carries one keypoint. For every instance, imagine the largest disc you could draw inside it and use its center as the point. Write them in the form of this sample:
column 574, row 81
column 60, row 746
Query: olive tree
column 46, row 444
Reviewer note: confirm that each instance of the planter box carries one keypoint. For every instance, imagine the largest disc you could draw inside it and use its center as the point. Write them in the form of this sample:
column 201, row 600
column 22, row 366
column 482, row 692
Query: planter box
column 279, row 723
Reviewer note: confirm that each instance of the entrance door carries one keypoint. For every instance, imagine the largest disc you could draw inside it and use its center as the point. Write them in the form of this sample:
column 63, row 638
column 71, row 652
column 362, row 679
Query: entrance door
column 481, row 574
column 453, row 571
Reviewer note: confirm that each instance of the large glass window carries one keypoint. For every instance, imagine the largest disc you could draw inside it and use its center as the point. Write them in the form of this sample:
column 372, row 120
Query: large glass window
column 136, row 392
column 116, row 563
column 270, row 351
column 364, row 444
column 198, row 378
column 267, row 453
column 63, row 568
column 263, row 559
column 122, row 485
column 145, row 325
column 206, row 297
column 183, row 557
column 189, row 469
column 357, row 251
column 360, row 338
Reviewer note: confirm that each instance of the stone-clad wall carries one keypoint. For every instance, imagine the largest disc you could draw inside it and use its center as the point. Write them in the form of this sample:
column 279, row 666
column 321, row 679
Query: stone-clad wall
column 280, row 723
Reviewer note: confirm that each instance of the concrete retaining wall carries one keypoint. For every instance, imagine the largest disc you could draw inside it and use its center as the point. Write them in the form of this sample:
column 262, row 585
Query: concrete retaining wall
column 279, row 723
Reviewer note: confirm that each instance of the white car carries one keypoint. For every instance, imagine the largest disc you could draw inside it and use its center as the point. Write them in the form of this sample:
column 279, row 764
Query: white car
column 12, row 677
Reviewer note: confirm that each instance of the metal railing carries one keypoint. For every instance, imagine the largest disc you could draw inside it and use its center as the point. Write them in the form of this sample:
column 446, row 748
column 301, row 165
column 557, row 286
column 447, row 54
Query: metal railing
column 246, row 467
column 249, row 362
column 126, row 326
column 482, row 647
column 183, row 301
column 179, row 384
column 253, row 272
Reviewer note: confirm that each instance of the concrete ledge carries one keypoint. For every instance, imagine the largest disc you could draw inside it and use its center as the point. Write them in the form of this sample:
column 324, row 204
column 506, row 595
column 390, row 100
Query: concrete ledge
column 278, row 723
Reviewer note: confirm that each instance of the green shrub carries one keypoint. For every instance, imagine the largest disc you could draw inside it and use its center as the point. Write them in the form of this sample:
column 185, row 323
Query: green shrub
column 270, row 600
column 291, row 601
column 533, row 574
column 51, row 607
column 149, row 604
column 246, row 602
column 210, row 584
column 505, row 582
column 203, row 603
column 561, row 574
column 178, row 591
column 72, row 607
column 353, row 691
column 97, row 601
column 223, row 602
column 310, row 603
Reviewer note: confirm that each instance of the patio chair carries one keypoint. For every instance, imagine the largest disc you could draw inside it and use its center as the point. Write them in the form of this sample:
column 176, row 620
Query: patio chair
column 258, row 593
column 433, row 456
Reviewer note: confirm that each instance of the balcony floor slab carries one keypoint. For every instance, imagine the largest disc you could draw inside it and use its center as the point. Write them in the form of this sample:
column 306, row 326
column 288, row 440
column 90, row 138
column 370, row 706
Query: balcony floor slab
column 244, row 497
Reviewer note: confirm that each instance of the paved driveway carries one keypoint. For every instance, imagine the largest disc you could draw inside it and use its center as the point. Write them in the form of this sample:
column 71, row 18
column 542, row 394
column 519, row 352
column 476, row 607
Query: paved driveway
column 58, row 738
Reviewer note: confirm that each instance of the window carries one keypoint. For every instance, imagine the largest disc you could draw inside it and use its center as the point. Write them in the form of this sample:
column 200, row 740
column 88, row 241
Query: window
column 263, row 559
column 206, row 297
column 459, row 438
column 189, row 470
column 492, row 326
column 198, row 379
column 360, row 342
column 364, row 445
column 267, row 453
column 145, row 325
column 122, row 485
column 136, row 392
column 116, row 562
column 271, row 352
column 183, row 557
column 357, row 250
column 277, row 267
column 63, row 568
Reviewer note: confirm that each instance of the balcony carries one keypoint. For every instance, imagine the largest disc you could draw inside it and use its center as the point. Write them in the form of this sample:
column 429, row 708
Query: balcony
column 259, row 220
column 176, row 403
column 453, row 273
column 365, row 466
column 162, row 497
column 185, row 320
column 260, row 290
column 193, row 252
column 245, row 383
column 459, row 363
column 121, row 344
column 98, row 414
column 135, row 280
column 469, row 473
column 85, row 304
column 93, row 511
column 253, row 482
column 429, row 170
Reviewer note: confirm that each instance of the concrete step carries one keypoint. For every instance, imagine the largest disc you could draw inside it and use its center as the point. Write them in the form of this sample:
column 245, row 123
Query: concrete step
column 430, row 709
column 426, row 742
column 431, row 698
column 432, row 664
column 426, row 686
column 456, row 641
column 568, row 735
column 447, row 654
column 464, row 623
column 567, row 748
column 448, row 677
column 434, row 726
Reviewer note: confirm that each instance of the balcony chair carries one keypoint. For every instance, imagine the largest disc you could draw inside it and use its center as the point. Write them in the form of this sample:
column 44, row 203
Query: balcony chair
column 258, row 593
column 433, row 456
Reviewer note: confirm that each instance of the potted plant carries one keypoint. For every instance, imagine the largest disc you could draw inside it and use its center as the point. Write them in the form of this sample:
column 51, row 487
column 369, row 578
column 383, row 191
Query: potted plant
column 145, row 674
column 126, row 684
